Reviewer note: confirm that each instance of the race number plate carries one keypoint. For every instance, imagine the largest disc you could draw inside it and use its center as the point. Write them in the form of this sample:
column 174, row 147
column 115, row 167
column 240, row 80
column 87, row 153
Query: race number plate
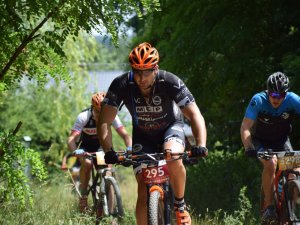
column 156, row 174
column 289, row 162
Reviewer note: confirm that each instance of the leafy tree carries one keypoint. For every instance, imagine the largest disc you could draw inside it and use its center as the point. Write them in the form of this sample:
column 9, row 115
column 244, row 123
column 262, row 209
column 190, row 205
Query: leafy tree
column 14, row 157
column 225, row 51
column 33, row 33
column 49, row 112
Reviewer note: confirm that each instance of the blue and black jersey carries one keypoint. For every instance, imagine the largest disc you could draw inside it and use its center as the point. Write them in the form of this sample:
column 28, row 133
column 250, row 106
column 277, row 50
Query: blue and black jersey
column 272, row 124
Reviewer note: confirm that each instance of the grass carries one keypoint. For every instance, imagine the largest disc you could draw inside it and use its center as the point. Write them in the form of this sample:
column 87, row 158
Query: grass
column 54, row 204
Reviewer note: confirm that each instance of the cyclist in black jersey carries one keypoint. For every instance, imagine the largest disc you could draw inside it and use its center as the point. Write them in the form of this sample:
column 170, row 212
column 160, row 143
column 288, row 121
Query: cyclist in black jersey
column 84, row 132
column 267, row 125
column 156, row 100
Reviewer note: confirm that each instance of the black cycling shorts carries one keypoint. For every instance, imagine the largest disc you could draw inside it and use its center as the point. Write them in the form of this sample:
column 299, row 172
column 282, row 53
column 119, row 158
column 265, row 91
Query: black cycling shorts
column 284, row 145
column 153, row 144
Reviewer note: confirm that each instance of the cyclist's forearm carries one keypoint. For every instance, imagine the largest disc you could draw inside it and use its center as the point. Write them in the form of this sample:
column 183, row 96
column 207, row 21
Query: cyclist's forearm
column 246, row 133
column 105, row 136
column 128, row 141
column 125, row 136
column 246, row 138
column 193, row 114
column 199, row 130
column 72, row 143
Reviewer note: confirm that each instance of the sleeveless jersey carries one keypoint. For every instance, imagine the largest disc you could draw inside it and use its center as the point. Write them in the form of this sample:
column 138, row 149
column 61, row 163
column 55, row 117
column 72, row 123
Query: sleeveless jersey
column 86, row 126
column 272, row 124
column 161, row 110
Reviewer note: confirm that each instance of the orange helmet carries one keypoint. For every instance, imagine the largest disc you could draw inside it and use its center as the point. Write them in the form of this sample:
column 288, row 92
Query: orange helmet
column 97, row 99
column 143, row 57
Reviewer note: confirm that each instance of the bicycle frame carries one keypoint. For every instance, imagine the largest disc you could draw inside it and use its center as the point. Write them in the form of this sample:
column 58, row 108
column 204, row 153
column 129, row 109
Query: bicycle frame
column 98, row 180
column 156, row 177
column 103, row 184
column 287, row 161
column 284, row 201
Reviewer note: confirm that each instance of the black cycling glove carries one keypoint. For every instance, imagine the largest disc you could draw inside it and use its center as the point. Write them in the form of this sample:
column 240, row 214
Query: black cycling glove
column 111, row 157
column 199, row 151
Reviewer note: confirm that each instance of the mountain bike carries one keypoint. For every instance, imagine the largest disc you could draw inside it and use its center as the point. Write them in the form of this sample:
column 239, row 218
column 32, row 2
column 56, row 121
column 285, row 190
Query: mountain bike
column 156, row 177
column 104, row 189
column 286, row 189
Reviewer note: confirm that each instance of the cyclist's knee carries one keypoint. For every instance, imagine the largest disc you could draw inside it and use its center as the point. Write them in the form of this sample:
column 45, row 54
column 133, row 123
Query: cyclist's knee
column 174, row 144
column 87, row 164
column 270, row 164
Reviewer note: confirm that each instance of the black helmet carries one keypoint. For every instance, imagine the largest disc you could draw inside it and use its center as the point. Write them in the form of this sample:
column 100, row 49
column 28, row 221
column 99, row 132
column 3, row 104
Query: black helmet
column 278, row 82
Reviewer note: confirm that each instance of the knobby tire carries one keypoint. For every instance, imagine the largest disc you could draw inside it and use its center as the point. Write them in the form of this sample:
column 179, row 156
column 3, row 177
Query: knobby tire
column 118, row 210
column 156, row 209
column 96, row 197
column 294, row 206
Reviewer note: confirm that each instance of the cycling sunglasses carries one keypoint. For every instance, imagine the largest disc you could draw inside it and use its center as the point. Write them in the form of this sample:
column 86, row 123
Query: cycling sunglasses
column 277, row 95
column 145, row 72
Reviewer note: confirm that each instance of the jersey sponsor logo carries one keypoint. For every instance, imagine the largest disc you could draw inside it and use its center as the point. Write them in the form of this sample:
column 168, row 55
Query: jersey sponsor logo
column 265, row 120
column 285, row 115
column 149, row 109
column 152, row 118
column 90, row 131
column 153, row 126
column 184, row 102
column 181, row 93
column 180, row 84
column 137, row 100
column 156, row 100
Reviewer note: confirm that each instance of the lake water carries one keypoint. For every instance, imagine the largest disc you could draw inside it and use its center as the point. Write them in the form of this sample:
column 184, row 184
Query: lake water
column 101, row 80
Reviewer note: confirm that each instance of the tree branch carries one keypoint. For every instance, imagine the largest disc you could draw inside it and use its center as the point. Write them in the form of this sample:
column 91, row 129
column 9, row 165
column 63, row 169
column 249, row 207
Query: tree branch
column 23, row 44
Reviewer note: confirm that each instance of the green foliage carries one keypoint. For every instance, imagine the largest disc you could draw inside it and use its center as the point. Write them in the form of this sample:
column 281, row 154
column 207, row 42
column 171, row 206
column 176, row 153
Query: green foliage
column 242, row 215
column 216, row 181
column 14, row 183
column 33, row 33
column 225, row 51
column 48, row 112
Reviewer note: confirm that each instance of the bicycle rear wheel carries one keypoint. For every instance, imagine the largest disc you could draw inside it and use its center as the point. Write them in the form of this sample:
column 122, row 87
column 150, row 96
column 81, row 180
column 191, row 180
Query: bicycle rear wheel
column 114, row 199
column 294, row 201
column 156, row 209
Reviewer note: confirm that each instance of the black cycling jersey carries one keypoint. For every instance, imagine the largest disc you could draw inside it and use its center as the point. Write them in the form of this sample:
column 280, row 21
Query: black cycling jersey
column 86, row 126
column 89, row 137
column 154, row 116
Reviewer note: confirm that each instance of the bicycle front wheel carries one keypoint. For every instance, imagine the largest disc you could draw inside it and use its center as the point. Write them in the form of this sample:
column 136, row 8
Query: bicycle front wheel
column 96, row 197
column 156, row 209
column 114, row 199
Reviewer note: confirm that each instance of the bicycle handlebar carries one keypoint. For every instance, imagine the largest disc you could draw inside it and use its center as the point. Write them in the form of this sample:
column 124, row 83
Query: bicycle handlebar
column 126, row 157
column 269, row 153
column 93, row 154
